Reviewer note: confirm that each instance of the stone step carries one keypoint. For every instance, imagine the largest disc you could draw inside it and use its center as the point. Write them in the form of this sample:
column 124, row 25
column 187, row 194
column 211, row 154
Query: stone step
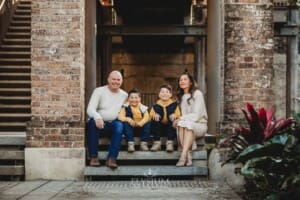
column 12, row 100
column 15, row 108
column 11, row 155
column 12, row 61
column 146, row 171
column 15, row 68
column 15, row 83
column 16, row 41
column 26, row 48
column 20, row 23
column 12, row 170
column 17, row 35
column 12, row 139
column 148, row 155
column 15, row 54
column 12, row 127
column 24, row 29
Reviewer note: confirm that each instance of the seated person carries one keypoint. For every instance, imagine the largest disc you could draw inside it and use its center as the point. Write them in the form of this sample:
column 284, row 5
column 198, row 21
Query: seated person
column 162, row 115
column 103, row 109
column 135, row 117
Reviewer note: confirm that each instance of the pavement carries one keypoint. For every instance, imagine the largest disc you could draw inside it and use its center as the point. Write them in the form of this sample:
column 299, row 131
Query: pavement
column 135, row 189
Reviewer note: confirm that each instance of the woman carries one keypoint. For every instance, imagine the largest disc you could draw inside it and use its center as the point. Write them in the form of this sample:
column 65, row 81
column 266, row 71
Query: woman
column 193, row 122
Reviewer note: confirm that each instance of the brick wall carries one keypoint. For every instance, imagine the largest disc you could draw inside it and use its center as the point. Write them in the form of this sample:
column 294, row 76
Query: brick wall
column 248, row 70
column 57, row 74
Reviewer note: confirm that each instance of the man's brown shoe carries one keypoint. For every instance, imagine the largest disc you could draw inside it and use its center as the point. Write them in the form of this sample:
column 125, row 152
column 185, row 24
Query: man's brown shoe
column 111, row 163
column 94, row 162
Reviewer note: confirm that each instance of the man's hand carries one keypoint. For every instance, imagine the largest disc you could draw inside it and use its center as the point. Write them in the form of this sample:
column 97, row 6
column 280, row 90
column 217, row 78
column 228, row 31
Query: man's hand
column 172, row 117
column 100, row 123
column 156, row 117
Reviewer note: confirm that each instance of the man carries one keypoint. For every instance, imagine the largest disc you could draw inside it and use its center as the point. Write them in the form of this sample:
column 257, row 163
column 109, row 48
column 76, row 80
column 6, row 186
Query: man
column 103, row 109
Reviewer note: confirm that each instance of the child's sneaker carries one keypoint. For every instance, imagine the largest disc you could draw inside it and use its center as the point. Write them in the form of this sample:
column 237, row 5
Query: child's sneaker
column 156, row 146
column 130, row 147
column 144, row 146
column 170, row 146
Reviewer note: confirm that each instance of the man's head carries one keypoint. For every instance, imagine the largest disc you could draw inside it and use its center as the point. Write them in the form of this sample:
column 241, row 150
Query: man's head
column 114, row 81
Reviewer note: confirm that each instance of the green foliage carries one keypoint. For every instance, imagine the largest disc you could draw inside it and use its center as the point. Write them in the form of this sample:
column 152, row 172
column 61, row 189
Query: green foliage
column 270, row 155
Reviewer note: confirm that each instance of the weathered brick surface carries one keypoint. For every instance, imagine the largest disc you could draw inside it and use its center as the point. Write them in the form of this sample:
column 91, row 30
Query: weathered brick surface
column 248, row 72
column 57, row 74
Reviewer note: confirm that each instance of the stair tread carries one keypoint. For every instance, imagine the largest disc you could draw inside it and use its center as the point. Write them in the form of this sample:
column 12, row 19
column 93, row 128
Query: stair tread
column 12, row 124
column 14, row 106
column 14, row 74
column 147, row 171
column 12, row 139
column 12, row 169
column 16, row 39
column 15, row 52
column 11, row 155
column 15, row 114
column 15, row 89
column 14, row 81
column 159, row 155
column 15, row 67
column 15, row 98
column 15, row 59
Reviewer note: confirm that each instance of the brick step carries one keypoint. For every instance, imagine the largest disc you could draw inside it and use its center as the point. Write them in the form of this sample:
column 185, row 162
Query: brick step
column 24, row 29
column 158, row 155
column 15, row 54
column 17, row 35
column 15, row 108
column 11, row 61
column 12, row 127
column 14, row 41
column 25, row 48
column 15, row 68
column 15, row 83
column 11, row 100
column 146, row 171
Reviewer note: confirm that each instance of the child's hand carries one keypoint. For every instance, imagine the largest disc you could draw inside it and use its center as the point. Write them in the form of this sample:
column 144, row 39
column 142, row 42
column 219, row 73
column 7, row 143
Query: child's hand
column 132, row 123
column 172, row 117
column 156, row 117
column 175, row 123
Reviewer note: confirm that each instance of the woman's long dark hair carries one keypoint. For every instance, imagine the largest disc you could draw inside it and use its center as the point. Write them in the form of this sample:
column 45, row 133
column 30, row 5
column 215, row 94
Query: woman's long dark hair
column 192, row 88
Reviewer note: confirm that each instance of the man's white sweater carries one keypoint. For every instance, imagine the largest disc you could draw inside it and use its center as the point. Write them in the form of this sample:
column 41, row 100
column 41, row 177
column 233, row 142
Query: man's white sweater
column 105, row 104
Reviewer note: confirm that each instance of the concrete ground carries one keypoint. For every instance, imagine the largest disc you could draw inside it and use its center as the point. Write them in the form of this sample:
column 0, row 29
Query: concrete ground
column 133, row 190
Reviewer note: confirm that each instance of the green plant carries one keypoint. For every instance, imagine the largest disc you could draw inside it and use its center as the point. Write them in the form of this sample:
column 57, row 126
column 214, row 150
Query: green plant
column 270, row 153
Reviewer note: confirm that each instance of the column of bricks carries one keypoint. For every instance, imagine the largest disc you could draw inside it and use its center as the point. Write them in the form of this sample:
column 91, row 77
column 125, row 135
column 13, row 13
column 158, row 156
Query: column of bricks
column 57, row 74
column 248, row 70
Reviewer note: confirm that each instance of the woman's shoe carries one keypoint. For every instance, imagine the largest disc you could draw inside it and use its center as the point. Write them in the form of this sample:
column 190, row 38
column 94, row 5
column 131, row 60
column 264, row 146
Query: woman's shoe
column 189, row 161
column 182, row 161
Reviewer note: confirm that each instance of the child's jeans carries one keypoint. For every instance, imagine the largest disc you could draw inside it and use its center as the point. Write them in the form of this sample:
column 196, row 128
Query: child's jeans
column 157, row 128
column 144, row 132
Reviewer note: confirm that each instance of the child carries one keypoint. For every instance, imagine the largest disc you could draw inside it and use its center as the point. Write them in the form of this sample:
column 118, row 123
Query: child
column 162, row 115
column 135, row 117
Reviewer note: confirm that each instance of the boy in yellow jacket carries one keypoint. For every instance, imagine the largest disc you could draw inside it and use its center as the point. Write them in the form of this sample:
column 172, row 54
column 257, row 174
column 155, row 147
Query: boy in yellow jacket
column 162, row 115
column 135, row 117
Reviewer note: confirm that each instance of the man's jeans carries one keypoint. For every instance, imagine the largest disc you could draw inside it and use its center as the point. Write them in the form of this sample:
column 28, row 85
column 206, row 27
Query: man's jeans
column 114, row 127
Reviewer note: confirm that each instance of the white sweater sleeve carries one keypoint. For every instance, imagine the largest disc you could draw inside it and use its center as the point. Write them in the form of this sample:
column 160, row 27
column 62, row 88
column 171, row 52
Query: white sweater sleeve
column 93, row 105
column 198, row 109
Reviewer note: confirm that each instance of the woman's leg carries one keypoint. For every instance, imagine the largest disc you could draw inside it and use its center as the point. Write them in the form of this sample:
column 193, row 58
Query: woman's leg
column 180, row 137
column 188, row 141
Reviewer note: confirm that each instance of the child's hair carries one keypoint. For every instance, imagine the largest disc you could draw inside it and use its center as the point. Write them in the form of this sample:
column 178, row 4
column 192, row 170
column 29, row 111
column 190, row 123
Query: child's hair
column 134, row 91
column 167, row 86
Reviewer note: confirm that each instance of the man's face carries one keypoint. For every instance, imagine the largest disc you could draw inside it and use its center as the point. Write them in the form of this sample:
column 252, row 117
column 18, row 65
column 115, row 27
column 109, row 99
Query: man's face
column 114, row 81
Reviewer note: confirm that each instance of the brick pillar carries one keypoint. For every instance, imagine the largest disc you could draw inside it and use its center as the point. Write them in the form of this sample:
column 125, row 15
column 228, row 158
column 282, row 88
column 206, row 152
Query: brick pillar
column 55, row 135
column 248, row 57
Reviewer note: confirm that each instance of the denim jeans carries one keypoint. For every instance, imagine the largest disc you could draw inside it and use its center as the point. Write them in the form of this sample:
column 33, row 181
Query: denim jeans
column 157, row 128
column 115, row 128
column 144, row 132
